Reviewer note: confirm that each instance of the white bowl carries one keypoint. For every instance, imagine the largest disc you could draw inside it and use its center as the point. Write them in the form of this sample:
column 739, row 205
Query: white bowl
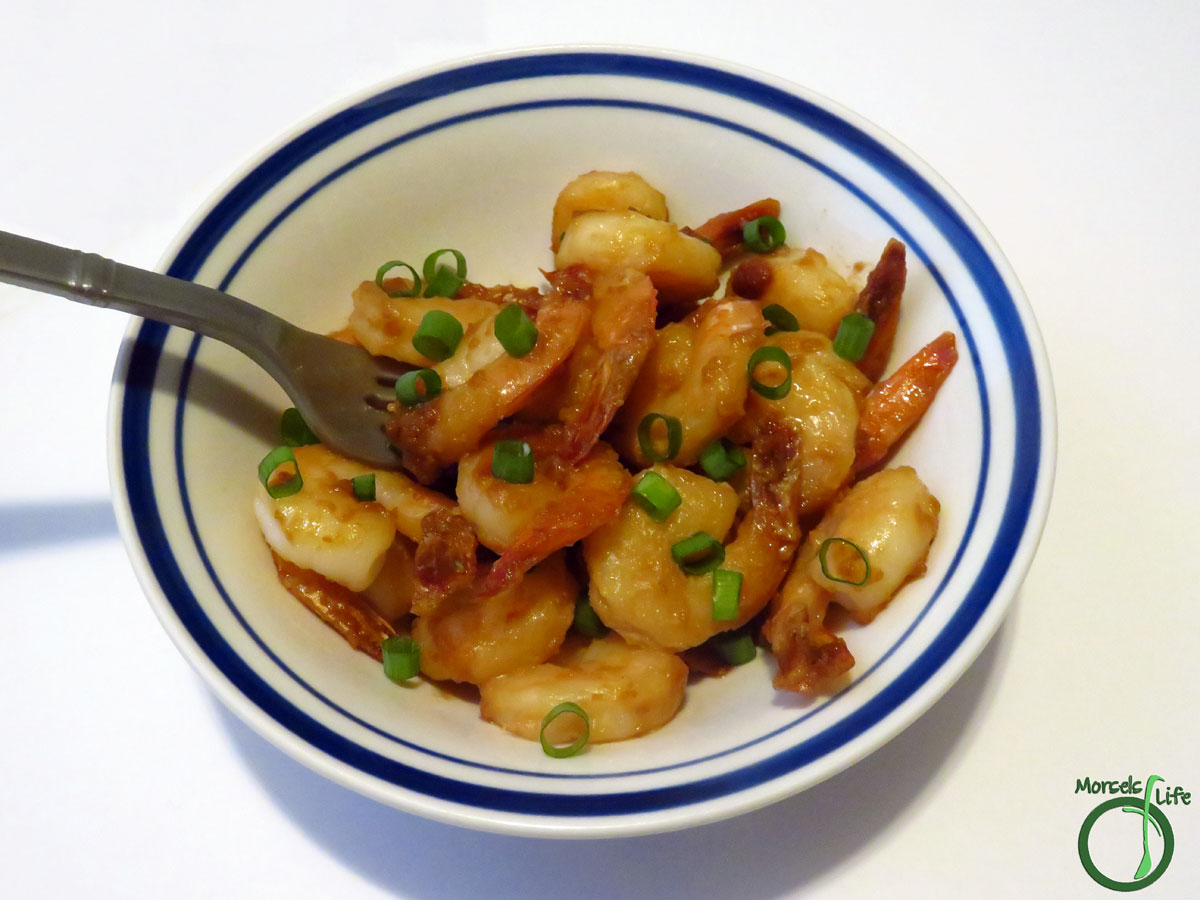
column 472, row 155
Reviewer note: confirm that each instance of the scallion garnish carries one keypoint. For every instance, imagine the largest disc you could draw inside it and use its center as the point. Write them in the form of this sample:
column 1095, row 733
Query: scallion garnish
column 853, row 336
column 414, row 291
column 780, row 319
column 417, row 387
column 578, row 744
column 294, row 431
column 442, row 281
column 270, row 463
column 363, row 486
column 721, row 459
column 512, row 461
column 586, row 621
column 656, row 495
column 727, row 591
column 646, row 440
column 438, row 335
column 773, row 355
column 736, row 648
column 699, row 554
column 515, row 331
column 764, row 234
column 823, row 551
column 401, row 657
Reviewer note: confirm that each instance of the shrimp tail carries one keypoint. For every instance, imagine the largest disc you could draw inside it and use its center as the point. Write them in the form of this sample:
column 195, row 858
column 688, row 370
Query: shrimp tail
column 880, row 302
column 810, row 656
column 590, row 501
column 724, row 231
column 337, row 606
column 445, row 559
column 894, row 406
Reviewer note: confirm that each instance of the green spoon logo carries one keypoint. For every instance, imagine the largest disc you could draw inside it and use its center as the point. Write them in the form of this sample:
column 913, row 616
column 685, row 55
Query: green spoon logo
column 1147, row 873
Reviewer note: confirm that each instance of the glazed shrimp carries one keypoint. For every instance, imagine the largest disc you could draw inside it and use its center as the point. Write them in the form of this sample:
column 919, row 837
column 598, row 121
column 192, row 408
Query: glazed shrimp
column 472, row 639
column 605, row 191
column 525, row 523
column 810, row 657
column 637, row 588
column 482, row 384
column 880, row 302
column 696, row 372
column 822, row 406
column 626, row 691
column 894, row 406
column 684, row 269
column 385, row 325
column 802, row 282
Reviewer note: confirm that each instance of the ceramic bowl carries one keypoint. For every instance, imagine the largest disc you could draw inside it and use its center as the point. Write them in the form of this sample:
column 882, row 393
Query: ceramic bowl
column 472, row 155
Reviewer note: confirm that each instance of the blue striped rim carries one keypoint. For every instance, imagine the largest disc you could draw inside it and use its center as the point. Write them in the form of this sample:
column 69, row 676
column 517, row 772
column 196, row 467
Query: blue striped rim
column 144, row 357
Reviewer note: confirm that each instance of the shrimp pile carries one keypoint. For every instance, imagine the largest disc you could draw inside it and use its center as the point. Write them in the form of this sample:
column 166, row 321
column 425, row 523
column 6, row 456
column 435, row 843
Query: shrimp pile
column 624, row 480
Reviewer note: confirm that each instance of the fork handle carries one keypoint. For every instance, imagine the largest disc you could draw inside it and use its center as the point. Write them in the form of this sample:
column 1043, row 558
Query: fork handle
column 97, row 281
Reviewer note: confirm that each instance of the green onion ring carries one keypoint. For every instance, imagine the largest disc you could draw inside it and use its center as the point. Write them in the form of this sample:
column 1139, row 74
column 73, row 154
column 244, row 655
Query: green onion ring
column 442, row 281
column 736, row 648
column 363, row 486
column 580, row 742
column 727, row 591
column 438, row 335
column 515, row 331
column 586, row 621
column 753, row 237
column 853, row 336
column 780, row 319
column 775, row 355
column 512, row 461
column 656, row 496
column 414, row 291
column 272, row 461
column 674, row 437
column 824, row 549
column 721, row 459
column 687, row 554
column 413, row 388
column 401, row 657
column 294, row 431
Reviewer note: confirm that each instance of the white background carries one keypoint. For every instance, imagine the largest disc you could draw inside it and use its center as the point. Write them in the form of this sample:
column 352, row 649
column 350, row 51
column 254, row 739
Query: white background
column 1071, row 129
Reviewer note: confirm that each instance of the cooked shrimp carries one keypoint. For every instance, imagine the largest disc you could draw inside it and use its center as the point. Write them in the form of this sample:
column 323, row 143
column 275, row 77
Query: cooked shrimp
column 880, row 302
column 605, row 191
column 802, row 282
column 346, row 612
column 625, row 691
column 696, row 372
column 482, row 384
column 392, row 591
column 724, row 231
column 822, row 405
column 637, row 588
column 473, row 638
column 684, row 269
column 894, row 406
column 892, row 518
column 385, row 325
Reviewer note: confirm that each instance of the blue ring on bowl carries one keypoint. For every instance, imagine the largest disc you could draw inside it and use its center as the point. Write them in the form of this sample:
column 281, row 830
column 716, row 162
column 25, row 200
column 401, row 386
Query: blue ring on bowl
column 896, row 229
column 142, row 365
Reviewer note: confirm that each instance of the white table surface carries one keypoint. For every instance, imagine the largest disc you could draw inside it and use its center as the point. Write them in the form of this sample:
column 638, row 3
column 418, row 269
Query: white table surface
column 1071, row 128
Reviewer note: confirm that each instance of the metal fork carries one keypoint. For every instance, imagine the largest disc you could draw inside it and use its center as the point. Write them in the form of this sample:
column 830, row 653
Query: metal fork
column 339, row 389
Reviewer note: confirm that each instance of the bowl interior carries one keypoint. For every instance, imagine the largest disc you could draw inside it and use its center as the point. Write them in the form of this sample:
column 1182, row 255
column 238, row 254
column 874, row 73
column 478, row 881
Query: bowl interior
column 474, row 161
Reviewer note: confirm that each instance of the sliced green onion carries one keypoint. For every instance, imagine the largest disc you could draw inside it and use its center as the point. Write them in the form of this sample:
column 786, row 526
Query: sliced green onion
column 294, row 430
column 674, row 437
column 824, row 550
column 579, row 743
column 401, row 657
column 699, row 554
column 417, row 387
column 656, row 495
column 586, row 621
column 736, row 648
column 775, row 355
column 515, row 331
column 721, row 459
column 272, row 461
column 442, row 281
column 853, row 336
column 727, row 591
column 438, row 335
column 764, row 234
column 512, row 461
column 363, row 486
column 780, row 319
column 414, row 291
